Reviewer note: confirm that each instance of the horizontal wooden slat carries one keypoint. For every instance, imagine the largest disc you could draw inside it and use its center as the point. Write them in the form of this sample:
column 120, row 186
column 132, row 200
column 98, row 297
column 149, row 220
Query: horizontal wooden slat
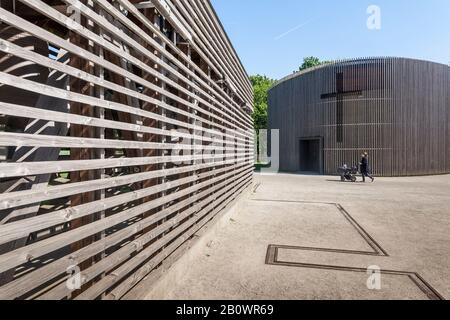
column 126, row 251
column 11, row 48
column 7, row 17
column 232, row 105
column 31, row 140
column 124, row 270
column 18, row 287
column 211, row 41
column 29, row 112
column 123, row 134
column 15, row 230
column 165, row 42
column 20, row 198
column 214, row 54
column 34, row 168
column 119, row 291
column 76, row 97
column 104, row 23
column 15, row 258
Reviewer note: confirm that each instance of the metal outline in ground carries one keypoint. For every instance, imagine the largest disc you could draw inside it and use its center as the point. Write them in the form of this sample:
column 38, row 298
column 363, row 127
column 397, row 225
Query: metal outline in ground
column 376, row 247
column 425, row 287
column 272, row 253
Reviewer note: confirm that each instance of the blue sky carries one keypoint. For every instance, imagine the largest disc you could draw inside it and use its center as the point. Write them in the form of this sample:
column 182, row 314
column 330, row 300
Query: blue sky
column 272, row 36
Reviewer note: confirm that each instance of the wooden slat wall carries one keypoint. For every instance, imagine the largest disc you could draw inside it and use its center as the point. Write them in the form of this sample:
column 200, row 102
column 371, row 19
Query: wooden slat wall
column 91, row 95
column 401, row 119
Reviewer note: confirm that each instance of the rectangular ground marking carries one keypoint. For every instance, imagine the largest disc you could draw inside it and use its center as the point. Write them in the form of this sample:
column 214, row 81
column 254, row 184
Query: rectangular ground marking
column 377, row 249
column 425, row 287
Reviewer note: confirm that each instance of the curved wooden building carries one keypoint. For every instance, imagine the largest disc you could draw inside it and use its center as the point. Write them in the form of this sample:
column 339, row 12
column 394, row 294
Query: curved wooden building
column 396, row 109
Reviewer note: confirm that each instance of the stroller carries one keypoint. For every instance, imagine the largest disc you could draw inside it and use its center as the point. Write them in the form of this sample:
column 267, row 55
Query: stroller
column 348, row 174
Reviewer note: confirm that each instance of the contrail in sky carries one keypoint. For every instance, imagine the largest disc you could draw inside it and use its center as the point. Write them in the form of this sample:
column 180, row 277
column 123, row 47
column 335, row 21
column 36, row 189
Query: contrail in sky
column 295, row 29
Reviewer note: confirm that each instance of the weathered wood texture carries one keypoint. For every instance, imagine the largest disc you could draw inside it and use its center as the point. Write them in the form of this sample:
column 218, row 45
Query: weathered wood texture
column 396, row 109
column 127, row 129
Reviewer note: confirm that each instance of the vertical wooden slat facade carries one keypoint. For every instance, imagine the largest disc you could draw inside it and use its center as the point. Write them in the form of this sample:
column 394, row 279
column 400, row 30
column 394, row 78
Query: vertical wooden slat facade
column 396, row 109
column 127, row 130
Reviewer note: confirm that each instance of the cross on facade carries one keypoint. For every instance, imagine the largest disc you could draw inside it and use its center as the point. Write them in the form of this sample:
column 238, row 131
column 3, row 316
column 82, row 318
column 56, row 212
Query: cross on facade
column 340, row 94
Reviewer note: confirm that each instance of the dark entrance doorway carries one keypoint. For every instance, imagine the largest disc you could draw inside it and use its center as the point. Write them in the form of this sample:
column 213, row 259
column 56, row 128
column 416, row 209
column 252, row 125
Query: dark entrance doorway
column 311, row 155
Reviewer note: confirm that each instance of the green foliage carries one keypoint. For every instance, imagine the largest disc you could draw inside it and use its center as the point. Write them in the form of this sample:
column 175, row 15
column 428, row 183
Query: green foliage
column 261, row 85
column 310, row 62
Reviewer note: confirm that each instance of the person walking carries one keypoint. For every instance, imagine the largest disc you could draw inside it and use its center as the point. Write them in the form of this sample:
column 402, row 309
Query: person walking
column 364, row 167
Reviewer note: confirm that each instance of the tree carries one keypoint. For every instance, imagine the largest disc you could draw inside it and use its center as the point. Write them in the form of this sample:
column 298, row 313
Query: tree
column 261, row 85
column 310, row 62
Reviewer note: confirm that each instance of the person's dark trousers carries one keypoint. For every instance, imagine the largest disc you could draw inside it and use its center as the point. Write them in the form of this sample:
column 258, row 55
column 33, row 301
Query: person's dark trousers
column 366, row 174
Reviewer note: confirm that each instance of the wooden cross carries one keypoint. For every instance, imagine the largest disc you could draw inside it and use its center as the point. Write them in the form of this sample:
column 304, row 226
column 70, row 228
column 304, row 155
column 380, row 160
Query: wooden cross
column 340, row 94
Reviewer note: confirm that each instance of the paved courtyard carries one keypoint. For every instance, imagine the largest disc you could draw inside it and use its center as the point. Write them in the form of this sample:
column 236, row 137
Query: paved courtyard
column 313, row 237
